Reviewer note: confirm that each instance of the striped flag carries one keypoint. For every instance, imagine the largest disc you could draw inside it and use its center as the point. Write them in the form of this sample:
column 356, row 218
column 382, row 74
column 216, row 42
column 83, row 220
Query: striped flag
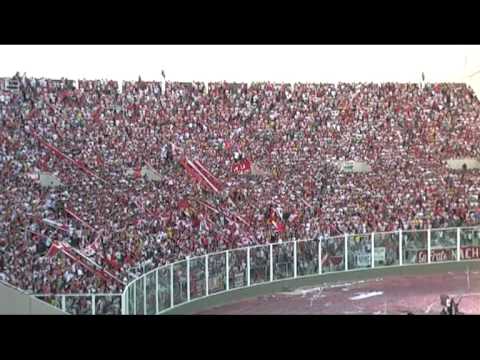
column 241, row 167
column 56, row 225
column 54, row 249
column 279, row 226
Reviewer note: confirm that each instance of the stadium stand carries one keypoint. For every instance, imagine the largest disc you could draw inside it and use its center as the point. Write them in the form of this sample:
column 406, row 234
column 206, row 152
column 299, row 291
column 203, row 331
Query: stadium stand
column 148, row 176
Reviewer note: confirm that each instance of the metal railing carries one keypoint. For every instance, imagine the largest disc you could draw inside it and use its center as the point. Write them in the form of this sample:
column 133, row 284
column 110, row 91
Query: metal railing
column 85, row 304
column 193, row 278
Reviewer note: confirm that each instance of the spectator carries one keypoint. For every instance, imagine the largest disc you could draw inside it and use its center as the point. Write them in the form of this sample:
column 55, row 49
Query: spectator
column 292, row 135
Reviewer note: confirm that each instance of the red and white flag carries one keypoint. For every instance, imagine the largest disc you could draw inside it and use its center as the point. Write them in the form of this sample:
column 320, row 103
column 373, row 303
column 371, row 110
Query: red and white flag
column 92, row 248
column 183, row 204
column 279, row 226
column 54, row 249
column 197, row 171
column 78, row 257
column 242, row 167
column 76, row 217
column 62, row 156
column 56, row 225
column 307, row 203
column 138, row 172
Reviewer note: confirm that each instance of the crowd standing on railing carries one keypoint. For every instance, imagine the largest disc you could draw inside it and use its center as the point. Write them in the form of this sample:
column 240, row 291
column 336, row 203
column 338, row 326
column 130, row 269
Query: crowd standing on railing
column 293, row 137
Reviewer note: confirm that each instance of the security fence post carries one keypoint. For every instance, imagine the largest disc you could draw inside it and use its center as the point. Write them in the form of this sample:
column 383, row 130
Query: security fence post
column 227, row 272
column 144, row 294
column 320, row 255
column 248, row 266
column 188, row 278
column 373, row 250
column 295, row 244
column 458, row 244
column 171, row 285
column 206, row 275
column 271, row 261
column 400, row 247
column 156, row 292
column 346, row 252
column 135, row 298
column 429, row 246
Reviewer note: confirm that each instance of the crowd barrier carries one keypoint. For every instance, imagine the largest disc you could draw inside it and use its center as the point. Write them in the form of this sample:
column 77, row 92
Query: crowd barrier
column 193, row 278
column 85, row 304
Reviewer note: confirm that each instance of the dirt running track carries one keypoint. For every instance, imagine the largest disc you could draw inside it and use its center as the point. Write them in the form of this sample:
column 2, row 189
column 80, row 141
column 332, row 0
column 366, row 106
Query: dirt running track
column 390, row 294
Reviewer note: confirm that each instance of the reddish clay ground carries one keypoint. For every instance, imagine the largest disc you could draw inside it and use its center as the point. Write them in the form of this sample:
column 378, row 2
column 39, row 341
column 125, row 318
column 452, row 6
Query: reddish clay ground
column 419, row 294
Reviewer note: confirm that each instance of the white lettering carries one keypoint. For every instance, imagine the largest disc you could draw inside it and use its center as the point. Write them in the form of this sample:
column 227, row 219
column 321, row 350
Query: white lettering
column 422, row 257
column 471, row 252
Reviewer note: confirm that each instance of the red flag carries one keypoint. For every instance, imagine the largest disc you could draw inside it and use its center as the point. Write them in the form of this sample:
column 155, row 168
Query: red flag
column 183, row 204
column 42, row 164
column 78, row 257
column 308, row 204
column 96, row 115
column 62, row 156
column 241, row 167
column 272, row 217
column 91, row 249
column 197, row 171
column 114, row 263
column 206, row 175
column 138, row 172
column 53, row 250
column 279, row 226
column 99, row 160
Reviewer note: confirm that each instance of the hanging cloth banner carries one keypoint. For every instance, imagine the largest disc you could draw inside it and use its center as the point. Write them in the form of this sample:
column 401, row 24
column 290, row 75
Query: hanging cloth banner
column 76, row 256
column 307, row 203
column 192, row 173
column 211, row 178
column 57, row 225
column 230, row 218
column 62, row 156
column 241, row 167
column 76, row 217
column 197, row 171
column 202, row 176
column 91, row 250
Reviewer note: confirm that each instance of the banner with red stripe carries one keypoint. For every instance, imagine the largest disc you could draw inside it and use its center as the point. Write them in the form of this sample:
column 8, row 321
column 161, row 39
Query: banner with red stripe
column 76, row 256
column 62, row 156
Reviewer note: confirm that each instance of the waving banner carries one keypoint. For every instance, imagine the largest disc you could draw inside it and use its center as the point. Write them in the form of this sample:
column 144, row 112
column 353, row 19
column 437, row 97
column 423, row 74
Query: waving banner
column 241, row 167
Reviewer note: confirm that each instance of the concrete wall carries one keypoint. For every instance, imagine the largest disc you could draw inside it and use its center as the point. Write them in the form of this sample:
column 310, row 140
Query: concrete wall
column 354, row 166
column 146, row 170
column 14, row 302
column 457, row 164
column 48, row 180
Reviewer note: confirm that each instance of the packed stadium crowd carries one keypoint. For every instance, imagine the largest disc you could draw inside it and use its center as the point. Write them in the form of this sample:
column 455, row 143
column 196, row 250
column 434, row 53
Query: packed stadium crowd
column 128, row 203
